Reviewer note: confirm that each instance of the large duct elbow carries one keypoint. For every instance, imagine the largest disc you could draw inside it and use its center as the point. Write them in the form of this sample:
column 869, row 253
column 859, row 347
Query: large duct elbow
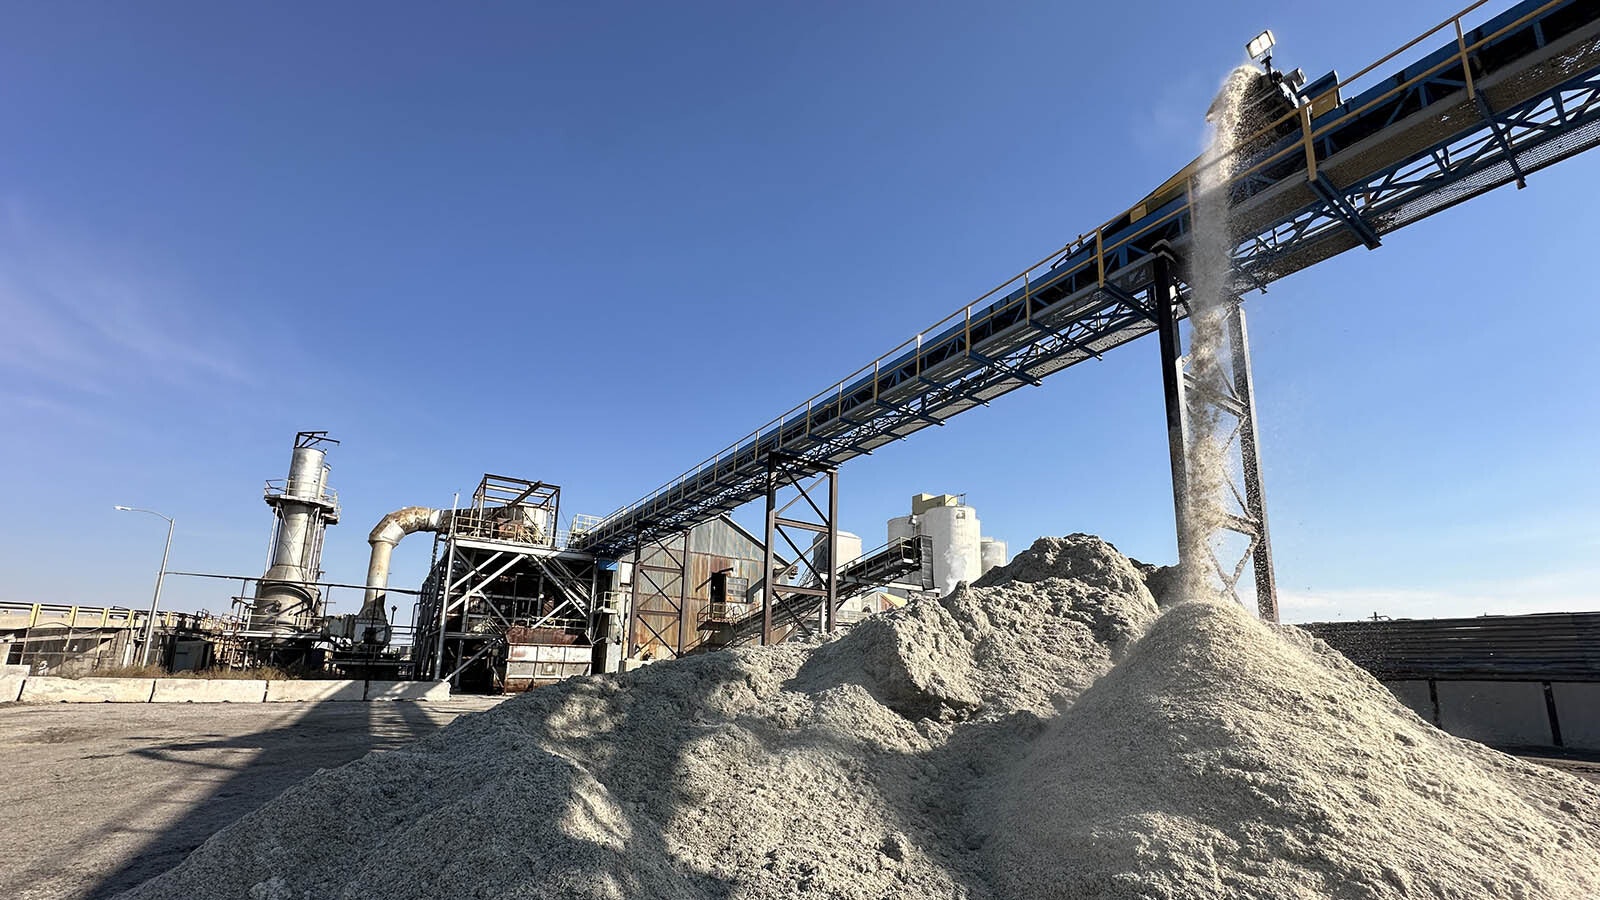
column 396, row 525
column 385, row 535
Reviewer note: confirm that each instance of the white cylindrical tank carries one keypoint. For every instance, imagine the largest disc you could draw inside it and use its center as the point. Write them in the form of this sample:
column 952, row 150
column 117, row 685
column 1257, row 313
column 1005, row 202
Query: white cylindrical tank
column 307, row 473
column 957, row 545
column 902, row 527
column 294, row 553
column 992, row 553
column 849, row 551
column 286, row 591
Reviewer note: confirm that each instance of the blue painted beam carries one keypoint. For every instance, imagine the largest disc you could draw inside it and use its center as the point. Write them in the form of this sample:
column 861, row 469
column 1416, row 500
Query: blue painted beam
column 1074, row 311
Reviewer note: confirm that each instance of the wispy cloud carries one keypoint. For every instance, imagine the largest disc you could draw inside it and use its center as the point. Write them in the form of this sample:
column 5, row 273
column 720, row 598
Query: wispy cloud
column 1564, row 591
column 89, row 321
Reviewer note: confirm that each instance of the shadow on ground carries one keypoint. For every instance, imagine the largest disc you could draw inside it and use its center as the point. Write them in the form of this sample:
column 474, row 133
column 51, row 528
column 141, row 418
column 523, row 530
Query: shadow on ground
column 326, row 736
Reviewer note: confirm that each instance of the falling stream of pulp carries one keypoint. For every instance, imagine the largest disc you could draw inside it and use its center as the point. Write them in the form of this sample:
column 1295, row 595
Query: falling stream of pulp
column 1210, row 276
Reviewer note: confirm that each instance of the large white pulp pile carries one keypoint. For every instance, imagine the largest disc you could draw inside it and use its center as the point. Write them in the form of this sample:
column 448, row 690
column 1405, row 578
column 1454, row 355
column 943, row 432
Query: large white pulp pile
column 1046, row 733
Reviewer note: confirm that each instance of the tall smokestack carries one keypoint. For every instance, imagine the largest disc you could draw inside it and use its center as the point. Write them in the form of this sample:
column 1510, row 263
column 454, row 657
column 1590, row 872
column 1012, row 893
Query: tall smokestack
column 303, row 505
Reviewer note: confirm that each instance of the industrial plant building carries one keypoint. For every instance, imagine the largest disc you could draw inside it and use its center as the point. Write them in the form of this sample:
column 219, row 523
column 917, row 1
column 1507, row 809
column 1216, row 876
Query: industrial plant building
column 511, row 600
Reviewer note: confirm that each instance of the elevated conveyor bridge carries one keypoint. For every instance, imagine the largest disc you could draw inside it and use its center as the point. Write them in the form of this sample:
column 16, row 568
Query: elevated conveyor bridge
column 903, row 561
column 1487, row 106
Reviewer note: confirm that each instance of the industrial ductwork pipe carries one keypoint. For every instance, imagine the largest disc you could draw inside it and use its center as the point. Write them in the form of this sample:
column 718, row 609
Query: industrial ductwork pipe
column 385, row 535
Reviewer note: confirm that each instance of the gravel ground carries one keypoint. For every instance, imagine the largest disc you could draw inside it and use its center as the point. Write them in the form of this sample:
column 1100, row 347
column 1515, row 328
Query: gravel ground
column 1045, row 732
column 100, row 797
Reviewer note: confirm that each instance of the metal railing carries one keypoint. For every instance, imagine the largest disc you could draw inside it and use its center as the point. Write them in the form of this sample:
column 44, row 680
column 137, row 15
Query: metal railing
column 15, row 615
column 490, row 528
column 58, row 638
column 279, row 487
column 494, row 525
column 1094, row 250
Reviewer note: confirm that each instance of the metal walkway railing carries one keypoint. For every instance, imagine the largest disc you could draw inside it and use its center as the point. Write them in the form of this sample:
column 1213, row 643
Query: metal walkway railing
column 1488, row 106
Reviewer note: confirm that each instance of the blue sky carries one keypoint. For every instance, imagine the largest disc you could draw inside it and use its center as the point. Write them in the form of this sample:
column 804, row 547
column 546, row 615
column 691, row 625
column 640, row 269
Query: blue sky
column 592, row 243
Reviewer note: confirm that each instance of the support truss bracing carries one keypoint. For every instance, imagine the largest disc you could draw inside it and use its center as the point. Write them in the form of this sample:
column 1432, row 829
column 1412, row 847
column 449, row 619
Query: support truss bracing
column 482, row 590
column 900, row 561
column 1487, row 108
column 575, row 589
column 1239, row 550
column 810, row 513
column 658, row 616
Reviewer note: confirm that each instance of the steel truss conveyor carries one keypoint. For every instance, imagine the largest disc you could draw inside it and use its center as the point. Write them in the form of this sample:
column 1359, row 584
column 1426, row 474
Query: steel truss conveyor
column 1489, row 106
column 894, row 563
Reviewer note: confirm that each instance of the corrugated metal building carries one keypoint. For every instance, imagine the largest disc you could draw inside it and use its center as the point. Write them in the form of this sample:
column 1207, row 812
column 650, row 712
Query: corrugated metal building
column 672, row 589
column 1529, row 680
column 1540, row 647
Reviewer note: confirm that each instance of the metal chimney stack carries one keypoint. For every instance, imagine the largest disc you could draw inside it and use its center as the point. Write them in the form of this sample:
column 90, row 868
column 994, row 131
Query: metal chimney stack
column 287, row 599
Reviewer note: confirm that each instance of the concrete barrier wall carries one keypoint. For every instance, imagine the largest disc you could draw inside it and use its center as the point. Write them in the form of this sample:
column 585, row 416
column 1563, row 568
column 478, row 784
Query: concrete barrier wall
column 1578, row 713
column 1495, row 712
column 314, row 691
column 45, row 689
column 208, row 690
column 408, row 690
column 50, row 689
column 11, row 679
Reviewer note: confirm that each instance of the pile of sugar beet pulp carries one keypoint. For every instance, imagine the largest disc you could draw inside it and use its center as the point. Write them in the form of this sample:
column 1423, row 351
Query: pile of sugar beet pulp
column 1048, row 732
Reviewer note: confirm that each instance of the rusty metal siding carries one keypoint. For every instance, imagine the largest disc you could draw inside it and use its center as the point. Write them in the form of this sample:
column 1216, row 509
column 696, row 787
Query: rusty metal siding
column 721, row 537
column 714, row 546
column 660, row 642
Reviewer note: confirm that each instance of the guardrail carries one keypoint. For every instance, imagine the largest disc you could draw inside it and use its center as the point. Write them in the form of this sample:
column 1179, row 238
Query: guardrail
column 14, row 615
column 326, row 496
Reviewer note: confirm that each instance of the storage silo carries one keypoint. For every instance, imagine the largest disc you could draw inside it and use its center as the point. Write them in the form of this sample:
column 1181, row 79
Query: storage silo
column 902, row 527
column 992, row 553
column 849, row 550
column 957, row 547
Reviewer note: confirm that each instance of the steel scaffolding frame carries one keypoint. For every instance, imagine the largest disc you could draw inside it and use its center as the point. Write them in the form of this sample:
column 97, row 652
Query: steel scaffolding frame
column 463, row 616
column 667, row 586
column 497, row 565
column 809, row 579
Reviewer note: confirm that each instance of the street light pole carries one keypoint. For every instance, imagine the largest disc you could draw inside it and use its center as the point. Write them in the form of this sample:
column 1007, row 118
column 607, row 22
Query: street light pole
column 155, row 602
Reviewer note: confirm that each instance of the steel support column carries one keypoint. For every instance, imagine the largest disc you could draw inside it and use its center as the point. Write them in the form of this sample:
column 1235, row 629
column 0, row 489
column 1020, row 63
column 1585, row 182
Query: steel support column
column 832, row 562
column 1255, row 500
column 443, row 583
column 769, row 570
column 1243, row 508
column 815, row 582
column 661, row 574
column 1164, row 298
column 630, row 643
column 684, row 588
